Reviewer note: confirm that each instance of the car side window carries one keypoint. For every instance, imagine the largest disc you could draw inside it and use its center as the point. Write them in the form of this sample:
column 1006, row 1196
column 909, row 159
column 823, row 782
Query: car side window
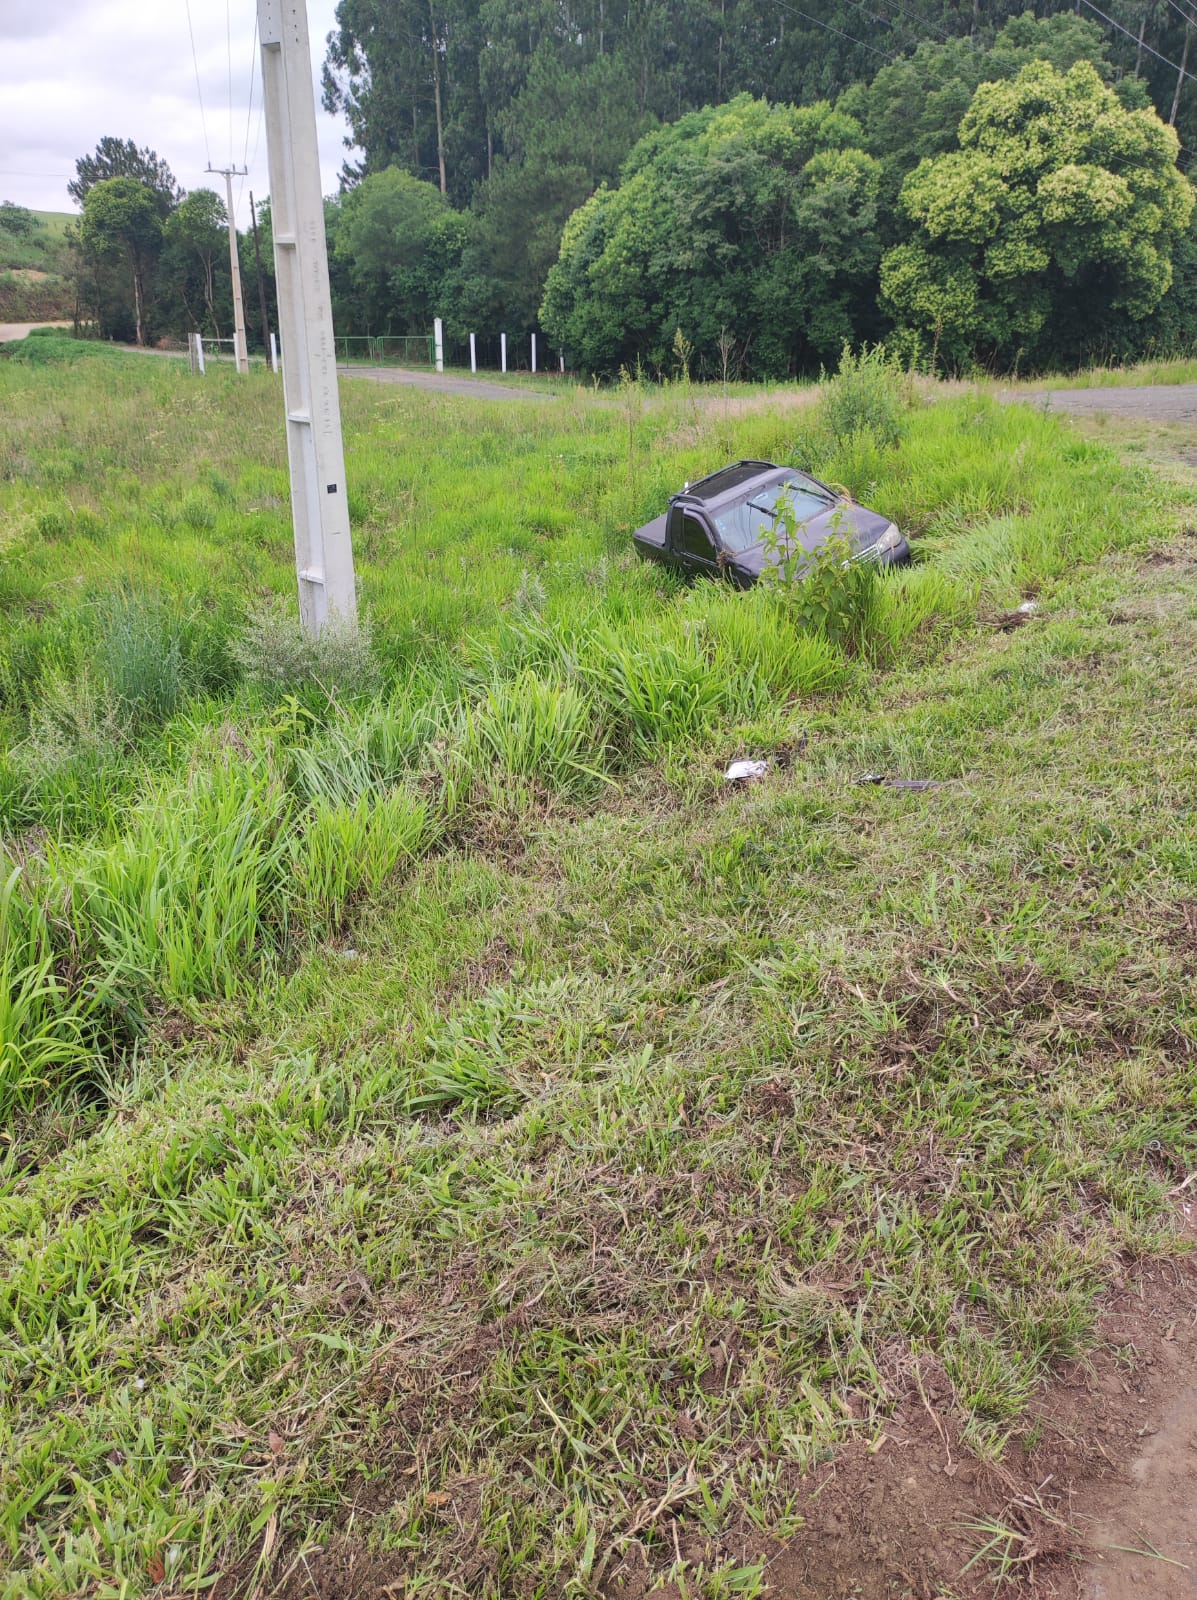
column 694, row 540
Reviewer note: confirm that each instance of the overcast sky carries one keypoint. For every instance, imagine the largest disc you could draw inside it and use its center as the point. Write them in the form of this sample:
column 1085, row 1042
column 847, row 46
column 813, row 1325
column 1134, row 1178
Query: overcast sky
column 73, row 71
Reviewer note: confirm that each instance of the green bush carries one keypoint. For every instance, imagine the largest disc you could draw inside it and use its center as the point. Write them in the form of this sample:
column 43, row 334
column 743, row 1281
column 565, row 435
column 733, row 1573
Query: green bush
column 826, row 591
column 758, row 642
column 658, row 688
column 865, row 397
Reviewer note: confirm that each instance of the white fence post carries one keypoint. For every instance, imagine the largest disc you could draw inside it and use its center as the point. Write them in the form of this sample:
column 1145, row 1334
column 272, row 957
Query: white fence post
column 533, row 352
column 438, row 334
column 473, row 355
column 273, row 353
column 199, row 352
column 503, row 351
column 563, row 360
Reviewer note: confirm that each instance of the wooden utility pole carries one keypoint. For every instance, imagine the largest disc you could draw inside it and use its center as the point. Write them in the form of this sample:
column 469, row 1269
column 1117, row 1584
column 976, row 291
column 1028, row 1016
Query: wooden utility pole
column 315, row 453
column 240, row 349
column 253, row 217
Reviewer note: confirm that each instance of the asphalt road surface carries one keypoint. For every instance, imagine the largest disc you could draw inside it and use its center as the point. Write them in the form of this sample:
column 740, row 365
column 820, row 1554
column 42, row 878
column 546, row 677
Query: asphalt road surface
column 1163, row 402
column 446, row 383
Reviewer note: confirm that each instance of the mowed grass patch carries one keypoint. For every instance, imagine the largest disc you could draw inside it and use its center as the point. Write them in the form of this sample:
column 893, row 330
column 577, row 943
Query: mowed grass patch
column 471, row 1130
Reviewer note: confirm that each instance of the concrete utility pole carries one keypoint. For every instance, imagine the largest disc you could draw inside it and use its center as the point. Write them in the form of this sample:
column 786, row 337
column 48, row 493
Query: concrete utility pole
column 240, row 349
column 319, row 503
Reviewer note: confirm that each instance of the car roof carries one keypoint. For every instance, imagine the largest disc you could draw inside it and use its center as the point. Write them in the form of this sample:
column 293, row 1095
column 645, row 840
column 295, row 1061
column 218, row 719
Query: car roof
column 728, row 479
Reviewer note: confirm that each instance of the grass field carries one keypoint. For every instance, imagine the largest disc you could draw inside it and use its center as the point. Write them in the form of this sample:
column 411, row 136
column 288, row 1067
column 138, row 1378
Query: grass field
column 443, row 1122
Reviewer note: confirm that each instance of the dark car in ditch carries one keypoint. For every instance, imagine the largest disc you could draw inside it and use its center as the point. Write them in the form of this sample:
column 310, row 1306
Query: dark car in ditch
column 721, row 526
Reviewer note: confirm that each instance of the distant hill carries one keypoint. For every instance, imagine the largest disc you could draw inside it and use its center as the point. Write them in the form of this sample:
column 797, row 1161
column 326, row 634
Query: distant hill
column 33, row 265
column 55, row 222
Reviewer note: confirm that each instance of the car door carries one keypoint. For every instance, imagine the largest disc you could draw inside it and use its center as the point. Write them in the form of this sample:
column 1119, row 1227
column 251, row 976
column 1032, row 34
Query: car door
column 694, row 546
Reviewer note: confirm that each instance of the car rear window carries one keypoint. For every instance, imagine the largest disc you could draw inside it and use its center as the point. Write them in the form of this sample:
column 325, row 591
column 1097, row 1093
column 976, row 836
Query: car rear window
column 725, row 479
column 745, row 524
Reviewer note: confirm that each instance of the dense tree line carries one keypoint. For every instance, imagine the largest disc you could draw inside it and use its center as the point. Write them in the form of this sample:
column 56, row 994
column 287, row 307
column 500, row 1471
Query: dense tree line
column 150, row 260
column 723, row 178
column 617, row 172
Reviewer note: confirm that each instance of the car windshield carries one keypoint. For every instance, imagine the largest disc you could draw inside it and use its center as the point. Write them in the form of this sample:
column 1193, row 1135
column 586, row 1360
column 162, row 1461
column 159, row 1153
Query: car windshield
column 743, row 525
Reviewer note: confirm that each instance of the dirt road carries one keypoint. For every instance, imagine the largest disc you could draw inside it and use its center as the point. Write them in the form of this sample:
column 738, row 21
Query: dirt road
column 20, row 330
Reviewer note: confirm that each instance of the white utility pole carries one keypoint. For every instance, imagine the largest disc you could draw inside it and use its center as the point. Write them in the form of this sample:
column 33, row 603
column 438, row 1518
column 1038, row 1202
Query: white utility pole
column 240, row 349
column 319, row 502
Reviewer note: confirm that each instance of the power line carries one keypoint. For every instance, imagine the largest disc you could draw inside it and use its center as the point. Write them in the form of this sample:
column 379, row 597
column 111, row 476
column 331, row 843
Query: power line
column 228, row 38
column 1189, row 20
column 252, row 162
column 1174, row 65
column 199, row 92
column 249, row 111
column 885, row 55
column 253, row 68
column 919, row 22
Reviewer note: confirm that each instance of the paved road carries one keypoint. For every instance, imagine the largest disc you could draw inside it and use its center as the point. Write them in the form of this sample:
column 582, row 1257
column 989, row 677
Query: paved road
column 19, row 330
column 444, row 383
column 1161, row 402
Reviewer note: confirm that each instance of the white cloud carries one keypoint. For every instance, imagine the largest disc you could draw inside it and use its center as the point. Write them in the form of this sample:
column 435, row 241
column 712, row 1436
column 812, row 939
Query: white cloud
column 74, row 71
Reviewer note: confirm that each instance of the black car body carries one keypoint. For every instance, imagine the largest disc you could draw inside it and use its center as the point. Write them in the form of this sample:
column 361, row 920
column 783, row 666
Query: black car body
column 717, row 527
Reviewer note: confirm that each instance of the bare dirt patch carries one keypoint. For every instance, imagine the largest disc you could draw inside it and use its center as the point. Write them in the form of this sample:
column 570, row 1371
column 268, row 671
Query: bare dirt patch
column 1093, row 1503
column 1140, row 1528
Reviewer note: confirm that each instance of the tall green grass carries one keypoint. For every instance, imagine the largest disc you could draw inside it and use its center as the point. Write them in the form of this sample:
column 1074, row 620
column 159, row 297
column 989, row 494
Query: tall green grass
column 204, row 787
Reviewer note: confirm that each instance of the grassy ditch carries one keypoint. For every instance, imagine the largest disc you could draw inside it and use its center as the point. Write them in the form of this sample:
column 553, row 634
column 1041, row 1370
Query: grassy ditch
column 429, row 1092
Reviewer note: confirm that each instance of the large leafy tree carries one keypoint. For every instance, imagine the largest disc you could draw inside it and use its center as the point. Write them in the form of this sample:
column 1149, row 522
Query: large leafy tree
column 398, row 239
column 750, row 222
column 121, row 158
column 194, row 265
column 1058, row 215
column 913, row 107
column 564, row 134
column 122, row 222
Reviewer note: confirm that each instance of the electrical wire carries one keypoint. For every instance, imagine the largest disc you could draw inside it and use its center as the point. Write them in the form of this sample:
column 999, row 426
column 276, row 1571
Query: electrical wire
column 253, row 66
column 1190, row 21
column 253, row 160
column 910, row 17
column 1174, row 65
column 228, row 37
column 253, row 71
column 199, row 92
column 886, row 55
